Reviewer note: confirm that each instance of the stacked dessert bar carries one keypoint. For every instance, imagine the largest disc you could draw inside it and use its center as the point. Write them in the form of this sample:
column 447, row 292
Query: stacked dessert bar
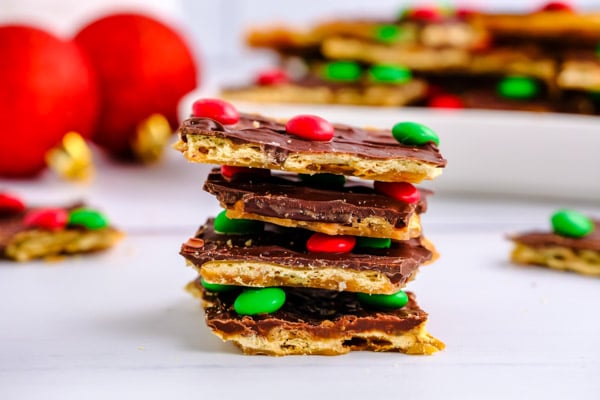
column 545, row 60
column 319, row 234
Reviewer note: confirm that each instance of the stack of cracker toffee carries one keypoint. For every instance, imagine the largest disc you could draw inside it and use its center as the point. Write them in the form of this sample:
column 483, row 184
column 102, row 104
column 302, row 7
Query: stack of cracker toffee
column 545, row 60
column 319, row 234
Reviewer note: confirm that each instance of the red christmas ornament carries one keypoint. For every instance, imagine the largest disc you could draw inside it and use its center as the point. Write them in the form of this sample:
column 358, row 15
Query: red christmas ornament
column 47, row 88
column 144, row 67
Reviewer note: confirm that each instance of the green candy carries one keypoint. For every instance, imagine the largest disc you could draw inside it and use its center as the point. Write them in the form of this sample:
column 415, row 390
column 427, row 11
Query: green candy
column 215, row 287
column 346, row 71
column 91, row 219
column 388, row 33
column 518, row 87
column 571, row 223
column 223, row 224
column 259, row 301
column 389, row 74
column 385, row 301
column 414, row 134
column 324, row 180
column 377, row 243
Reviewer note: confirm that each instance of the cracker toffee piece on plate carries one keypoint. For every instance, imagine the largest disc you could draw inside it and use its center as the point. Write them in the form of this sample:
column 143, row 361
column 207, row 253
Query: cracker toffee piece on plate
column 354, row 208
column 315, row 321
column 261, row 142
column 28, row 233
column 278, row 256
column 573, row 245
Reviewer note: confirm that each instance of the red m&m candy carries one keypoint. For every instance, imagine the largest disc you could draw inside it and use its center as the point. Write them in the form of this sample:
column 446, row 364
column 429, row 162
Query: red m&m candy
column 272, row 77
column 428, row 14
column 217, row 109
column 402, row 191
column 47, row 218
column 445, row 101
column 230, row 172
column 557, row 6
column 10, row 204
column 310, row 127
column 322, row 243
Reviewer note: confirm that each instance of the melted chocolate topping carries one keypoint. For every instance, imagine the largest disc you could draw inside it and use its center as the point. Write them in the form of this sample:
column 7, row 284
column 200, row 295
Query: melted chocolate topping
column 286, row 196
column 271, row 135
column 287, row 246
column 549, row 239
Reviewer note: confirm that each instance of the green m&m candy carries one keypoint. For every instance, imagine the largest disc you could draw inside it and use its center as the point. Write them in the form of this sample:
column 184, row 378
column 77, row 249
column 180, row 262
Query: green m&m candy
column 375, row 243
column 414, row 134
column 259, row 301
column 223, row 224
column 91, row 219
column 571, row 223
column 215, row 287
column 518, row 87
column 385, row 301
column 388, row 33
column 324, row 180
column 346, row 71
column 383, row 73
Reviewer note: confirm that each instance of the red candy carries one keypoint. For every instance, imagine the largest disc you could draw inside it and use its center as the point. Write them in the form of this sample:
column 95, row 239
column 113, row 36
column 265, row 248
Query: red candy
column 402, row 191
column 272, row 77
column 10, row 204
column 557, row 6
column 310, row 127
column 230, row 172
column 47, row 218
column 429, row 14
column 322, row 243
column 217, row 109
column 445, row 101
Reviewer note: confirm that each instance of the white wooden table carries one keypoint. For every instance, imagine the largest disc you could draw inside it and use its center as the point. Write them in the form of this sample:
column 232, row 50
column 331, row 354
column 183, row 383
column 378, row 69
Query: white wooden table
column 119, row 324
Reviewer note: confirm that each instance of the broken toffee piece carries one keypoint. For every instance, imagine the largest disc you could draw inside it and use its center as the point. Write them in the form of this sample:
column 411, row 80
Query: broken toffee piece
column 278, row 256
column 285, row 199
column 316, row 321
column 262, row 142
column 45, row 232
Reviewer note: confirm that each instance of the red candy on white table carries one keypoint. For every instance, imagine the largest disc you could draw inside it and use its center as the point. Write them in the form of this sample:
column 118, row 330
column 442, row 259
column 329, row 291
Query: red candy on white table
column 10, row 204
column 322, row 243
column 402, row 191
column 445, row 101
column 217, row 109
column 47, row 218
column 310, row 127
column 270, row 77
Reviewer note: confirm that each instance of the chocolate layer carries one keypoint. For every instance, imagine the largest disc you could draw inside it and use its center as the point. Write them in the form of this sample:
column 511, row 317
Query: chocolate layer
column 287, row 247
column 549, row 239
column 322, row 313
column 271, row 136
column 286, row 196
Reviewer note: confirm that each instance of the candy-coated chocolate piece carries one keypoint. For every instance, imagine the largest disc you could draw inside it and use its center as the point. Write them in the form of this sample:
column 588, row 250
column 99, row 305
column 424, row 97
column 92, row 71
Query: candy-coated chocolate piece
column 91, row 219
column 414, row 134
column 47, row 218
column 518, row 87
column 230, row 172
column 223, row 224
column 402, row 191
column 10, row 204
column 331, row 181
column 384, row 73
column 346, row 71
column 557, row 6
column 215, row 287
column 322, row 243
column 446, row 101
column 571, row 223
column 310, row 127
column 259, row 301
column 388, row 33
column 426, row 14
column 384, row 301
column 273, row 76
column 217, row 109
column 375, row 243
